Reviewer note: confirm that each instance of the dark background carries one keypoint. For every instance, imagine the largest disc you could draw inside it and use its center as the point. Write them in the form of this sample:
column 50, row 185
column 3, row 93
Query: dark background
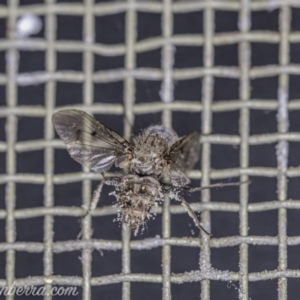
column 110, row 30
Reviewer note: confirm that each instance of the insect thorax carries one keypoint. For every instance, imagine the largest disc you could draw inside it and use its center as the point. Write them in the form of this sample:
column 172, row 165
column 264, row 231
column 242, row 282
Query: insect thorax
column 148, row 154
column 136, row 197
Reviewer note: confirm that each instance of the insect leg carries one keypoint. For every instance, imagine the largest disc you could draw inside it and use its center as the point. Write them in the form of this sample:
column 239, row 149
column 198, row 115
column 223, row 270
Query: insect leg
column 211, row 186
column 190, row 212
column 95, row 198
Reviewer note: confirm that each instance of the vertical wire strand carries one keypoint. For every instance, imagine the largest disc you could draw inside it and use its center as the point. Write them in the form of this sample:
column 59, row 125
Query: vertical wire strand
column 88, row 66
column 129, row 99
column 49, row 152
column 244, row 64
column 12, row 59
column 282, row 146
column 166, row 94
column 207, row 97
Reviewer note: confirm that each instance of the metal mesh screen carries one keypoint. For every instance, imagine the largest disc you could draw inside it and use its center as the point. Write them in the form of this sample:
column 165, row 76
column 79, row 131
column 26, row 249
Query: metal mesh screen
column 12, row 111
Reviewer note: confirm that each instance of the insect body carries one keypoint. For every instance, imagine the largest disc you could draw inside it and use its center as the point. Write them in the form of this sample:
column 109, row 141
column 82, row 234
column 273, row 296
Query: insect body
column 156, row 153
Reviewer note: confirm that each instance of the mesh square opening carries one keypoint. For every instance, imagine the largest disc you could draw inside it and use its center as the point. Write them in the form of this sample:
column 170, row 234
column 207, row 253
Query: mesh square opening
column 111, row 291
column 68, row 194
column 231, row 262
column 295, row 25
column 226, row 122
column 148, row 25
column 2, row 129
column 28, row 264
column 293, row 257
column 146, row 261
column 2, row 232
column 263, row 223
column 67, row 263
column 115, row 24
column 265, row 289
column 2, row 62
column 66, row 228
column 63, row 163
column 2, row 163
column 2, row 264
column 226, row 89
column 104, row 227
column 69, row 1
column 29, row 195
column 30, row 128
column 263, row 156
column 190, row 290
column 226, row 55
column 191, row 22
column 293, row 288
column 2, row 99
column 224, row 156
column 262, row 189
column 189, row 90
column 263, row 121
column 102, row 63
column 192, row 122
column 109, row 92
column 294, row 53
column 3, row 27
column 224, row 224
column 263, row 54
column 69, row 27
column 293, row 158
column 30, row 2
column 182, row 224
column 69, row 61
column 294, row 124
column 293, row 188
column 145, row 290
column 188, row 57
column 147, row 91
column 264, row 88
column 294, row 87
column 30, row 229
column 31, row 61
column 69, row 93
column 224, row 290
column 31, row 94
column 106, row 262
column 30, row 162
column 267, row 256
column 184, row 259
column 293, row 216
column 149, row 59
column 2, row 196
column 265, row 20
column 226, row 21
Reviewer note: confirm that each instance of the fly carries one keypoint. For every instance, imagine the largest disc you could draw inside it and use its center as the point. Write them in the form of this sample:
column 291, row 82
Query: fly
column 157, row 153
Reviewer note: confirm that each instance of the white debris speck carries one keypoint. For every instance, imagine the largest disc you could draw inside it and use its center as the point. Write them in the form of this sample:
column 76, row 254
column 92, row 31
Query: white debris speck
column 28, row 24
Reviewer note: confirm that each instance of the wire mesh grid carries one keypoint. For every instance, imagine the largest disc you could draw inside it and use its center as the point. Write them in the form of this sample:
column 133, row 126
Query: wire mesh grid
column 167, row 105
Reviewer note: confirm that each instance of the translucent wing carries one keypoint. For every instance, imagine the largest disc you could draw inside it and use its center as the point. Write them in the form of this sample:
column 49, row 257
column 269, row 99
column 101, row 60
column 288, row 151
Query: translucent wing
column 88, row 141
column 183, row 155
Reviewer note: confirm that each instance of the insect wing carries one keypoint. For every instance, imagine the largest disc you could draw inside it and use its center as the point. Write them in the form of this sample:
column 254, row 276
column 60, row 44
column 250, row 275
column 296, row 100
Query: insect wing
column 88, row 141
column 182, row 156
